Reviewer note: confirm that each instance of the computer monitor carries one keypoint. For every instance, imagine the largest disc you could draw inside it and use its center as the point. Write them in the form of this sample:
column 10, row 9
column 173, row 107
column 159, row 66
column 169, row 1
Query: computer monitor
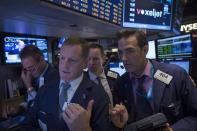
column 61, row 41
column 12, row 46
column 176, row 47
column 183, row 64
column 152, row 51
column 149, row 14
column 117, row 67
column 106, row 10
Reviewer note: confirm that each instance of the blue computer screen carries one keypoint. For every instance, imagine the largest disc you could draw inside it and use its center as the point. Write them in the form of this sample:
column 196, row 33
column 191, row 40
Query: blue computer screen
column 177, row 47
column 117, row 67
column 107, row 10
column 149, row 14
column 13, row 46
column 183, row 64
column 61, row 41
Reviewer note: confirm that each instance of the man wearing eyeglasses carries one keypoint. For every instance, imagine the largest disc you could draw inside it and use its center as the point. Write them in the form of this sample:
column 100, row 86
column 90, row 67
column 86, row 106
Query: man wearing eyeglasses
column 36, row 71
column 73, row 102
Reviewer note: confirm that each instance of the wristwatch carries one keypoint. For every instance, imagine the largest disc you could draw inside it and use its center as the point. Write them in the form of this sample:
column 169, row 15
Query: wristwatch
column 30, row 89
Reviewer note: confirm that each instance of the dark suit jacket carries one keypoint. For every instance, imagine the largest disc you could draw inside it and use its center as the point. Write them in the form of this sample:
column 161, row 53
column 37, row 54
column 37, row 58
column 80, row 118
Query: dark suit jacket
column 46, row 107
column 178, row 100
column 50, row 74
column 111, row 81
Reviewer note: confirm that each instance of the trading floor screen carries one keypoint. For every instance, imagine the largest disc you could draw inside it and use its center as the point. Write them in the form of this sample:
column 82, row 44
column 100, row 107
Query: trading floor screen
column 107, row 10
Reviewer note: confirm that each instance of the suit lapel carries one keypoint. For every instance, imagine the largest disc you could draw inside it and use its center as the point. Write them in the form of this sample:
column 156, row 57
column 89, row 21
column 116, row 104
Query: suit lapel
column 81, row 95
column 128, row 98
column 158, row 88
column 54, row 99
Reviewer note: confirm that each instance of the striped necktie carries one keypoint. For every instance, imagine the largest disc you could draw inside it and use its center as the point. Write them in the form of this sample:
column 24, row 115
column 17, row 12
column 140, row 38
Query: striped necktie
column 63, row 97
column 99, row 81
column 105, row 87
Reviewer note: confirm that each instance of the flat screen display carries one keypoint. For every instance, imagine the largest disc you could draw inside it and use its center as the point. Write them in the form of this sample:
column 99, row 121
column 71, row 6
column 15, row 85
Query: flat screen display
column 149, row 14
column 177, row 47
column 117, row 67
column 13, row 46
column 61, row 41
column 151, row 50
column 107, row 10
column 183, row 64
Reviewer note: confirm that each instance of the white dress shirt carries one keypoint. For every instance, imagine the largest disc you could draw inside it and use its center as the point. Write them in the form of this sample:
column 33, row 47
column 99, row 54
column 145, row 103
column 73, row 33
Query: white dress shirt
column 71, row 91
column 104, row 83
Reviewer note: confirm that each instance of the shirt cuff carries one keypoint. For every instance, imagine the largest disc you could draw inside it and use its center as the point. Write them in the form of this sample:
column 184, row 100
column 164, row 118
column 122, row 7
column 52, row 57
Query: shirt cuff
column 31, row 95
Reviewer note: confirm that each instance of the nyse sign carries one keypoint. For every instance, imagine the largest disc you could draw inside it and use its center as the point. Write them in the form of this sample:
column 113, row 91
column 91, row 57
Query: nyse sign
column 188, row 27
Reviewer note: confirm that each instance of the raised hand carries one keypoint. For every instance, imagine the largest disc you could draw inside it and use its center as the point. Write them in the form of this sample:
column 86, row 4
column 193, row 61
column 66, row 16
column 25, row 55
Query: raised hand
column 77, row 118
column 27, row 78
column 119, row 115
column 166, row 128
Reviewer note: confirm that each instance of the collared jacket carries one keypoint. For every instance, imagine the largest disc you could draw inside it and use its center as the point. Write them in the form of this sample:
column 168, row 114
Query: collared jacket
column 177, row 100
column 46, row 107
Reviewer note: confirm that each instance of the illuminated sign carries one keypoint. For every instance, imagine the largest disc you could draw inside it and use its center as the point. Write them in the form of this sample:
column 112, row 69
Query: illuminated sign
column 153, row 14
column 188, row 27
column 107, row 10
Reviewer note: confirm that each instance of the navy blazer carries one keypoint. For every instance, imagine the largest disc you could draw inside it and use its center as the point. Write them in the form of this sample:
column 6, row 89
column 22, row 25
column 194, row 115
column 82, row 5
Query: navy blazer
column 111, row 80
column 178, row 100
column 50, row 74
column 46, row 107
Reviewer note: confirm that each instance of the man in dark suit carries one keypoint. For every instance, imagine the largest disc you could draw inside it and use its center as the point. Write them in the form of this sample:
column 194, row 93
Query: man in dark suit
column 73, row 102
column 97, row 72
column 36, row 71
column 149, row 87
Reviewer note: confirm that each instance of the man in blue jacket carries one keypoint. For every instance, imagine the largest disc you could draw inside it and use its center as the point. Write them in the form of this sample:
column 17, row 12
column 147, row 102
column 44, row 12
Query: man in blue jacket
column 73, row 102
column 149, row 87
column 36, row 71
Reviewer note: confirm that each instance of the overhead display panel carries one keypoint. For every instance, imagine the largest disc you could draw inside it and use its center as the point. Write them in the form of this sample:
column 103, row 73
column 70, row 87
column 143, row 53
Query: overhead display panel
column 107, row 10
column 149, row 14
column 176, row 47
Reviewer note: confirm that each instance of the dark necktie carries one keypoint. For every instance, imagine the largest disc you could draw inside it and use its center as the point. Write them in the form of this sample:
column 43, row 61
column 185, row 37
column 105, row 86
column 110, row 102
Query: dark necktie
column 140, row 89
column 99, row 81
column 143, row 107
column 63, row 94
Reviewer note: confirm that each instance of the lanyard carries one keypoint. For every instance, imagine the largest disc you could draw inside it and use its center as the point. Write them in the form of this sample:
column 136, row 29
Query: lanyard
column 149, row 94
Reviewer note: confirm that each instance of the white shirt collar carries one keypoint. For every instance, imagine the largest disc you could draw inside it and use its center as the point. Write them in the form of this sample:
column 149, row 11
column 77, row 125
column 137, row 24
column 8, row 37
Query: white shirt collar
column 93, row 76
column 74, row 83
